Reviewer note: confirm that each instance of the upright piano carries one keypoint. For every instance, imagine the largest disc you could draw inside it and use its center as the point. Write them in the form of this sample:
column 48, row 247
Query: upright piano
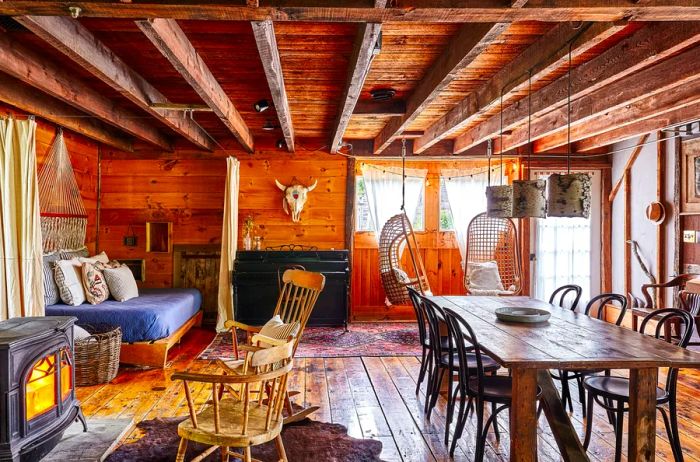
column 257, row 277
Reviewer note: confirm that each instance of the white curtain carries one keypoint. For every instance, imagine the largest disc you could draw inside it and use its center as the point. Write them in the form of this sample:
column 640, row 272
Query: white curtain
column 21, row 284
column 467, row 197
column 383, row 186
column 229, row 243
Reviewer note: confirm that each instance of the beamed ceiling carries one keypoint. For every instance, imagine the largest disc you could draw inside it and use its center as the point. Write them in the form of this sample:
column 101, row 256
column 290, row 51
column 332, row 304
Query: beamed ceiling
column 121, row 73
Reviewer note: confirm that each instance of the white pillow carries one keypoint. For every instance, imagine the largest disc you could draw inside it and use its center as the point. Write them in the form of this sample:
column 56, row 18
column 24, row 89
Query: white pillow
column 275, row 328
column 99, row 258
column 121, row 283
column 69, row 280
column 484, row 276
column 79, row 333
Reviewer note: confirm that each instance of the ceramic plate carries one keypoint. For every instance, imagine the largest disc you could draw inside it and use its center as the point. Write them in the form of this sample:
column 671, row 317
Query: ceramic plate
column 518, row 314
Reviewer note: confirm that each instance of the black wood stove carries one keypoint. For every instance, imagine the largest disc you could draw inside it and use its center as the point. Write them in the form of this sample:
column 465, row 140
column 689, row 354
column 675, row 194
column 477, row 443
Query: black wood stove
column 37, row 397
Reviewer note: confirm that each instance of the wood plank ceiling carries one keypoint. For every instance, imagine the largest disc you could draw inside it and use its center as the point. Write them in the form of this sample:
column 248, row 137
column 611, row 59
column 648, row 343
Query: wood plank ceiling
column 451, row 80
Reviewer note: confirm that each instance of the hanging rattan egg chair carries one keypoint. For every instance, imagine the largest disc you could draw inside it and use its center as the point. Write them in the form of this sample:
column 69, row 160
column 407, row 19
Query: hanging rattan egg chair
column 396, row 236
column 494, row 239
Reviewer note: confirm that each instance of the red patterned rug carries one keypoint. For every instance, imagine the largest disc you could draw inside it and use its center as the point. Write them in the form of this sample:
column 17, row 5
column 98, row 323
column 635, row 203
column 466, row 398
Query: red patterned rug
column 361, row 339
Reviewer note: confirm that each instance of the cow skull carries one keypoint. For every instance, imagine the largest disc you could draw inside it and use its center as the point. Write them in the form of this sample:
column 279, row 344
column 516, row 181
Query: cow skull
column 295, row 198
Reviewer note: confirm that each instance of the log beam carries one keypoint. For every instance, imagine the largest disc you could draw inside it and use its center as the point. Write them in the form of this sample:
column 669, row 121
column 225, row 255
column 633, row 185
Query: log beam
column 78, row 43
column 647, row 46
column 43, row 74
column 264, row 32
column 171, row 41
column 628, row 167
column 421, row 11
column 512, row 79
column 26, row 98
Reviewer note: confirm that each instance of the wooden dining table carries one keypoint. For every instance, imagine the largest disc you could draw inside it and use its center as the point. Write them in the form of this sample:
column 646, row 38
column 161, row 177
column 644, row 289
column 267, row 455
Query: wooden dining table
column 572, row 341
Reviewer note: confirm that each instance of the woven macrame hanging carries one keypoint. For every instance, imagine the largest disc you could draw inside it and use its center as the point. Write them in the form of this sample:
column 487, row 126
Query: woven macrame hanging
column 63, row 216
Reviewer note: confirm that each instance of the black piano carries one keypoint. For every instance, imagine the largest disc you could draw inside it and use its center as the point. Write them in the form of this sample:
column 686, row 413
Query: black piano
column 257, row 277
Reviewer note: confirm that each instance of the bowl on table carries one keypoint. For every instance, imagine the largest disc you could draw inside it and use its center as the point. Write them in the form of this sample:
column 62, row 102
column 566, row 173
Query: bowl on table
column 522, row 314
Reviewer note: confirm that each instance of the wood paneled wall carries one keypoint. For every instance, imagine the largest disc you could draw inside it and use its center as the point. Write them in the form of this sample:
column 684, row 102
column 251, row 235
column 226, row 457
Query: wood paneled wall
column 84, row 158
column 188, row 190
column 439, row 250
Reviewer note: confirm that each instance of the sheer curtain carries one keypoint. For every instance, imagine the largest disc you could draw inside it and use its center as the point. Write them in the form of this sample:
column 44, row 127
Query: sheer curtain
column 467, row 198
column 229, row 243
column 21, row 283
column 562, row 254
column 383, row 186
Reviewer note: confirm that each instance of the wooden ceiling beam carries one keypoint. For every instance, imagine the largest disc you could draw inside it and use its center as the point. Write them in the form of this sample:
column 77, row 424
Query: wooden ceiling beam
column 423, row 11
column 512, row 79
column 364, row 51
column 642, row 127
column 644, row 48
column 550, row 130
column 26, row 98
column 264, row 32
column 171, row 41
column 45, row 75
column 78, row 43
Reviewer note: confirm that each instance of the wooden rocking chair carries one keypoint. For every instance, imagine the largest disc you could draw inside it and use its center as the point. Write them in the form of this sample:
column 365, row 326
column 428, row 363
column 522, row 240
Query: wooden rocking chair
column 396, row 234
column 251, row 418
column 297, row 298
column 495, row 239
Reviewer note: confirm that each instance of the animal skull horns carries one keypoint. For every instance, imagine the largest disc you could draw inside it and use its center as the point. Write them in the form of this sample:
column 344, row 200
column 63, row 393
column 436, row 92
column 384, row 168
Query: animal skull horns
column 295, row 196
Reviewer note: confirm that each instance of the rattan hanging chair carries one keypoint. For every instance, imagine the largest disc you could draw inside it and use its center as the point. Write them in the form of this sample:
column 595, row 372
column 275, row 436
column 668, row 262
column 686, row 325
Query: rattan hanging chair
column 396, row 236
column 495, row 239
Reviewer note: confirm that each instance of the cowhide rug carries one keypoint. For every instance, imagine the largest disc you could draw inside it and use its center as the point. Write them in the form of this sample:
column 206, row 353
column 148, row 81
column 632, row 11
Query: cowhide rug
column 307, row 440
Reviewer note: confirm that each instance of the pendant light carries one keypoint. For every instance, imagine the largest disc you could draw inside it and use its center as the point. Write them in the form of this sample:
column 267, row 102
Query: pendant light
column 569, row 194
column 529, row 196
column 499, row 199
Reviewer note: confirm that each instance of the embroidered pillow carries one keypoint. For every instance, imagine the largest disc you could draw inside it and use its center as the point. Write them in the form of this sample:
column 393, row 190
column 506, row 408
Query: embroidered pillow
column 99, row 258
column 484, row 276
column 69, row 280
column 70, row 254
column 121, row 283
column 96, row 290
column 51, row 296
column 275, row 328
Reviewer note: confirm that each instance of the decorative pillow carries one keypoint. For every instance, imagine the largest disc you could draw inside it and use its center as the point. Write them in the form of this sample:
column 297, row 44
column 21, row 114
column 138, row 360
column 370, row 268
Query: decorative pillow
column 99, row 258
column 51, row 296
column 275, row 328
column 70, row 254
column 484, row 276
column 96, row 290
column 121, row 283
column 69, row 280
column 401, row 276
column 110, row 264
column 79, row 333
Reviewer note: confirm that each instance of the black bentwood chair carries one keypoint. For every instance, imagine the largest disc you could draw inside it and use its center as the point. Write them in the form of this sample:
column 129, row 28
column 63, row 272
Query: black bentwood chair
column 595, row 308
column 563, row 293
column 447, row 361
column 426, row 362
column 475, row 385
column 615, row 390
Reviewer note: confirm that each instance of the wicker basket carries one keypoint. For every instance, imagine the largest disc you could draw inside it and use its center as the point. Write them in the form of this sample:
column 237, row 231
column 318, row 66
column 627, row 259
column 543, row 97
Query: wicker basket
column 97, row 356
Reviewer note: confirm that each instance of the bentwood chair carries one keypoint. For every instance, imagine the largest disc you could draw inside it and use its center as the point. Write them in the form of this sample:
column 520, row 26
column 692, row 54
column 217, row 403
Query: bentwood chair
column 447, row 361
column 296, row 301
column 252, row 417
column 596, row 308
column 426, row 362
column 690, row 302
column 614, row 391
column 563, row 293
column 475, row 385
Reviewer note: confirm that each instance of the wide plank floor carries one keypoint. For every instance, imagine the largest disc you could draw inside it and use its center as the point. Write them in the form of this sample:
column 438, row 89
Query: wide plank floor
column 374, row 398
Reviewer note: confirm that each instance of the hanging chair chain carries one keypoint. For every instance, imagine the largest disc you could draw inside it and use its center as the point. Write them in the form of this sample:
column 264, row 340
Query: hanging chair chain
column 403, row 174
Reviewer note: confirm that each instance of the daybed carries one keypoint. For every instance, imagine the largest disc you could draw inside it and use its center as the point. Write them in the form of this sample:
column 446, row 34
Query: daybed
column 151, row 323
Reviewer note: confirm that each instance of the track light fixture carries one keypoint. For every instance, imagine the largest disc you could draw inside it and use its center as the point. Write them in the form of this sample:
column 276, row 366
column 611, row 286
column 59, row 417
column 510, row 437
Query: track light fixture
column 261, row 105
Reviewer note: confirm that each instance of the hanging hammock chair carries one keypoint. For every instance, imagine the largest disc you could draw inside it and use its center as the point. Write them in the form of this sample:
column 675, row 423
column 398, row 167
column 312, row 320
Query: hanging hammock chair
column 396, row 236
column 63, row 216
column 494, row 239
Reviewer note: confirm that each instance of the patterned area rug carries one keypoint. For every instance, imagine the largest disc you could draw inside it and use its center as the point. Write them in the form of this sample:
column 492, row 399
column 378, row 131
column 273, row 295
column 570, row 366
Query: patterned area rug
column 307, row 440
column 362, row 339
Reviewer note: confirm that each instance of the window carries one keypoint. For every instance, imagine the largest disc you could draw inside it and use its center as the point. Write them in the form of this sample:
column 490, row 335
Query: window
column 363, row 219
column 446, row 220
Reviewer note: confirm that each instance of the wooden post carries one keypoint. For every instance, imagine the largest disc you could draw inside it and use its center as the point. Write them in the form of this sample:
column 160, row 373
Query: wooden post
column 642, row 419
column 678, row 244
column 661, row 228
column 350, row 223
column 606, row 232
column 628, row 232
column 523, row 416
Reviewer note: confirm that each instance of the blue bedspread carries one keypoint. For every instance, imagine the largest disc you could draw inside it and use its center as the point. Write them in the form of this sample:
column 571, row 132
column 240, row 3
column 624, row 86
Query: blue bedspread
column 154, row 314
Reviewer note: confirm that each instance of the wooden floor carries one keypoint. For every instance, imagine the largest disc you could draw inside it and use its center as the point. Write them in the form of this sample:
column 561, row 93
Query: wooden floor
column 373, row 397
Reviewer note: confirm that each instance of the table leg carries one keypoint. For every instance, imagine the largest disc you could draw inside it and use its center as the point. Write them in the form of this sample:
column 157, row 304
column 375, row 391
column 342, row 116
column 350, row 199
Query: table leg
column 642, row 419
column 523, row 416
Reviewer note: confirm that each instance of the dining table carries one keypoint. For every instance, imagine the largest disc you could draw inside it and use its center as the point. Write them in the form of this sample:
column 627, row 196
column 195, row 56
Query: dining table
column 573, row 341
